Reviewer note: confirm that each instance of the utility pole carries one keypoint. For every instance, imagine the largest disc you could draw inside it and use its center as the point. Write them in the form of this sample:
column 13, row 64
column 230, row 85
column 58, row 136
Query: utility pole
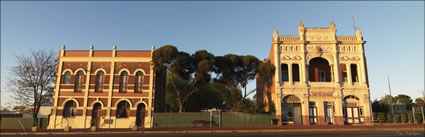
column 391, row 100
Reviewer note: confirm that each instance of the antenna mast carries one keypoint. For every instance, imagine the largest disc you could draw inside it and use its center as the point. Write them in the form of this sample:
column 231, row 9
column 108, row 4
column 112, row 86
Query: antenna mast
column 354, row 26
column 391, row 100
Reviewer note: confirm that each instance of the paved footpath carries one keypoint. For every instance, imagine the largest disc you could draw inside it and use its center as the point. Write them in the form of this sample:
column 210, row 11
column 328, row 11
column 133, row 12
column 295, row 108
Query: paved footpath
column 419, row 128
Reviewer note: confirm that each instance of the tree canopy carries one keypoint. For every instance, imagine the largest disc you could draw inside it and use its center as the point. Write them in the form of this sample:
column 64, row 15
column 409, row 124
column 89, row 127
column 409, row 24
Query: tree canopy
column 190, row 78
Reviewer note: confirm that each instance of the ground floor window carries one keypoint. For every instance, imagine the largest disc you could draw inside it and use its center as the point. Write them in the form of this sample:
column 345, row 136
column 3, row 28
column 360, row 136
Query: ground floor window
column 312, row 112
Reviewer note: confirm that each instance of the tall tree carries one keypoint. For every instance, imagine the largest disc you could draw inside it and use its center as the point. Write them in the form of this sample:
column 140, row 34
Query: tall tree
column 33, row 77
column 419, row 102
column 194, row 68
column 404, row 99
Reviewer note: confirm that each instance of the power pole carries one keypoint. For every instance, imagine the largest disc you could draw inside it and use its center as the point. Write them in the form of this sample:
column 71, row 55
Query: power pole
column 391, row 100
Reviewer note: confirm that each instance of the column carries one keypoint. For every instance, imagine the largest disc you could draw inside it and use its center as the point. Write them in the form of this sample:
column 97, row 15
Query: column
column 359, row 74
column 111, row 85
column 305, row 110
column 151, row 91
column 350, row 82
column 277, row 81
column 56, row 96
column 291, row 81
column 332, row 73
column 278, row 76
column 320, row 113
column 366, row 110
column 300, row 71
column 336, row 70
column 339, row 116
column 278, row 105
column 306, row 75
column 86, row 93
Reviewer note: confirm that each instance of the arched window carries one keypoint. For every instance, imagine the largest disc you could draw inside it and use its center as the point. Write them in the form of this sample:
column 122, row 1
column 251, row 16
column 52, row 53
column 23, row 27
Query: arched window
column 123, row 81
column 79, row 81
column 319, row 70
column 123, row 109
column 100, row 79
column 70, row 109
column 67, row 78
column 138, row 82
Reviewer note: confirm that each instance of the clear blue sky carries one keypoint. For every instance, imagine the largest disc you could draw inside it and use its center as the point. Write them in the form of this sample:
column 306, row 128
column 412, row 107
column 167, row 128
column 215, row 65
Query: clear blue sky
column 394, row 31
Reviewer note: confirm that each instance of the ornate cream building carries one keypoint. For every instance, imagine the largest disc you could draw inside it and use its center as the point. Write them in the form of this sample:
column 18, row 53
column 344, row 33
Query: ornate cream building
column 320, row 78
column 105, row 89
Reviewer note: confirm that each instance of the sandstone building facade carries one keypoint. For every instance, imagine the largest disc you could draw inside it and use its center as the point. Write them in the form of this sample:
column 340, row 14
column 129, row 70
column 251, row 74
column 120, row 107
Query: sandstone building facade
column 320, row 78
column 105, row 89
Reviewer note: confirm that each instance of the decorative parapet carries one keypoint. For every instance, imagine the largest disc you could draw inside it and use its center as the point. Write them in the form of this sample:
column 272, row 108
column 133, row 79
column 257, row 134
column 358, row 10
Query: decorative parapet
column 346, row 38
column 289, row 38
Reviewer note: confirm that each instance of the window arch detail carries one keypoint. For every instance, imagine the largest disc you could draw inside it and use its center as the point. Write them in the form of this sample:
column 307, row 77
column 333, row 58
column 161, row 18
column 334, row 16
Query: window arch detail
column 100, row 80
column 67, row 77
column 79, row 81
column 70, row 109
column 123, row 81
column 123, row 109
column 138, row 83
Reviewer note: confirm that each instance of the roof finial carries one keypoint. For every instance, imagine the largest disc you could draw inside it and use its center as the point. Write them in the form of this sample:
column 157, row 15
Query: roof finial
column 153, row 47
column 358, row 34
column 332, row 25
column 114, row 47
column 275, row 34
column 301, row 25
column 91, row 47
column 63, row 47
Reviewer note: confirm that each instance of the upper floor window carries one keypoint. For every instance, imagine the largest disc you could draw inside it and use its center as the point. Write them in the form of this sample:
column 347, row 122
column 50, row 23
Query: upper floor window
column 79, row 81
column 343, row 69
column 100, row 79
column 285, row 74
column 123, row 81
column 322, row 77
column 138, row 81
column 67, row 78
column 319, row 70
column 354, row 74
column 70, row 109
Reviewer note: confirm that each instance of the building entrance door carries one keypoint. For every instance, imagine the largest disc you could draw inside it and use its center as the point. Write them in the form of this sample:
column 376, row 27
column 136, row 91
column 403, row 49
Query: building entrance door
column 297, row 114
column 140, row 115
column 96, row 114
column 291, row 110
column 353, row 116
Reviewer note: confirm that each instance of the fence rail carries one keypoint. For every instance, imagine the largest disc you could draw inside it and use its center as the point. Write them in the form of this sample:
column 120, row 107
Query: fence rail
column 187, row 119
column 18, row 123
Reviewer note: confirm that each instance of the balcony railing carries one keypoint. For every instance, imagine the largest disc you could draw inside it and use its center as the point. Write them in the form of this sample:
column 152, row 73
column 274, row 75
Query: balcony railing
column 346, row 38
column 289, row 38
column 322, row 84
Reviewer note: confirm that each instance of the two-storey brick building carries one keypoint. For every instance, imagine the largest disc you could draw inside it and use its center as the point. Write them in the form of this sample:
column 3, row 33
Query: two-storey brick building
column 105, row 89
column 320, row 78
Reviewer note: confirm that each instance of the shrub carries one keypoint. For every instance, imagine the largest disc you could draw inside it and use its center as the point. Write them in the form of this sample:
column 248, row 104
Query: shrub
column 418, row 117
column 397, row 118
column 380, row 117
column 403, row 118
column 389, row 118
column 409, row 118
